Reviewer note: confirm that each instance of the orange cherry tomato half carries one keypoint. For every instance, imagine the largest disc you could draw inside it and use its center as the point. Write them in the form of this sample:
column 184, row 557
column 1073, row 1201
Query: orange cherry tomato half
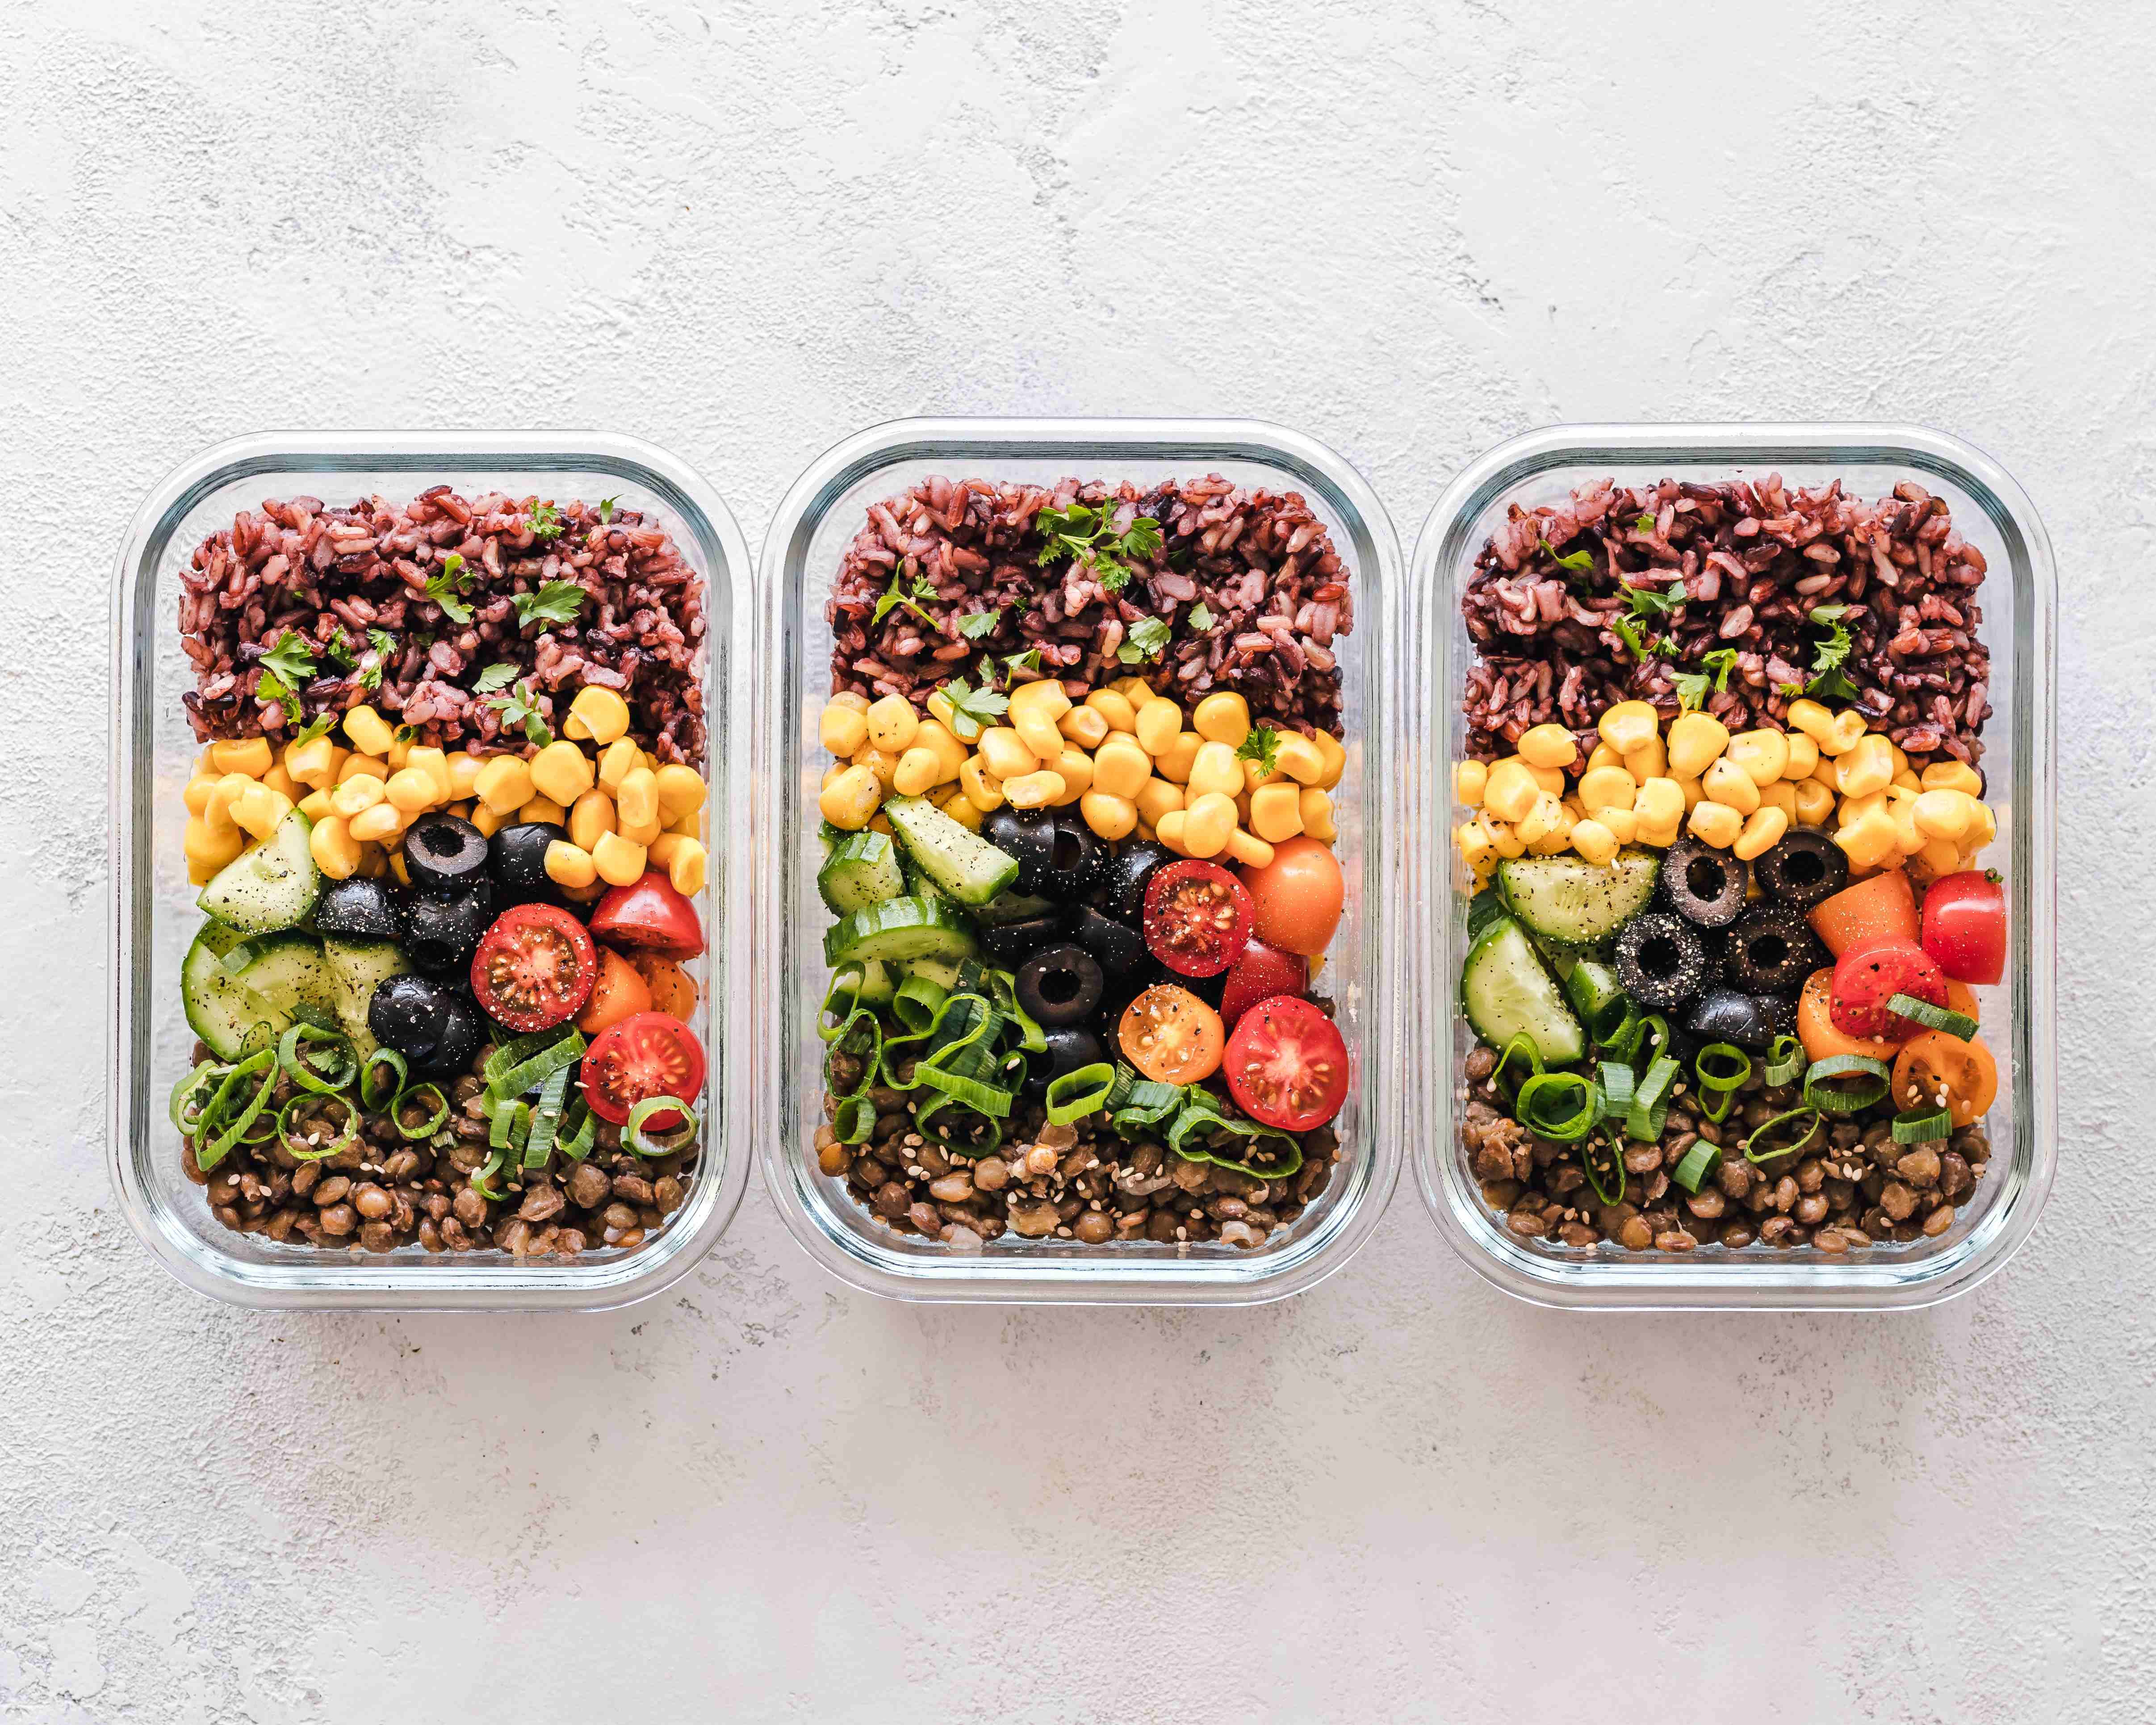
column 1816, row 1030
column 1297, row 897
column 1286, row 1065
column 1881, row 908
column 672, row 989
column 620, row 992
column 1171, row 1035
column 1934, row 1065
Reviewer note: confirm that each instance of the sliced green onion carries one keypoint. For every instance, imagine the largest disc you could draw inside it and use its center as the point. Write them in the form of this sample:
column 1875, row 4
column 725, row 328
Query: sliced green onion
column 983, row 1097
column 933, row 1122
column 1523, row 1046
column 1933, row 1018
column 1651, row 1107
column 1732, row 1066
column 1602, row 1192
column 1626, row 1035
column 435, row 1122
column 1074, row 1094
column 854, row 1120
column 1655, row 1033
column 1618, row 1082
column 511, row 1121
column 224, row 1120
column 1695, row 1165
column 203, row 1082
column 377, row 1098
column 1137, row 1103
column 483, row 1181
column 1202, row 1113
column 1597, row 997
column 915, row 1003
column 1716, row 1104
column 576, row 1144
column 860, row 1037
column 1785, row 1060
column 1760, row 1147
column 546, row 1119
column 1924, row 1125
column 633, row 1135
column 840, row 998
column 325, row 1078
column 518, row 1066
column 1560, row 1106
column 1846, row 1083
column 299, row 1146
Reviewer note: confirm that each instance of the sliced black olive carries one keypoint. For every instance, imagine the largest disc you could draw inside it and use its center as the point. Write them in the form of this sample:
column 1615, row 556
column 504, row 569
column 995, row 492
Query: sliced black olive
column 443, row 851
column 517, row 857
column 1069, row 1047
column 1772, row 951
column 1804, row 868
column 462, row 1038
column 1075, row 856
column 1702, row 884
column 1660, row 960
column 440, row 934
column 1126, row 875
column 1725, row 1015
column 1011, row 943
column 418, row 1016
column 359, row 909
column 1060, row 986
column 1028, row 835
column 1118, row 946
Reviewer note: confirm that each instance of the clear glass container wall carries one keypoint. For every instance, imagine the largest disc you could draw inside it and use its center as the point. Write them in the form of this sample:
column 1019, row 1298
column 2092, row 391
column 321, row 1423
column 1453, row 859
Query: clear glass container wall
column 2019, row 1017
column 825, row 509
column 153, row 911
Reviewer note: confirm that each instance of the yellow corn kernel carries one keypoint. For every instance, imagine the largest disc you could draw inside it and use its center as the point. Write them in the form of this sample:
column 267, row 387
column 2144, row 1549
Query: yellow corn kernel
column 1038, row 789
column 1475, row 849
column 570, row 866
column 334, row 850
column 1038, row 731
column 596, row 715
column 1549, row 778
column 367, row 730
column 313, row 763
column 1207, row 823
column 1715, row 824
column 591, row 818
column 1867, row 767
column 1982, row 828
column 1546, row 817
column 1548, row 745
column 1222, row 717
column 1762, row 753
column 1510, row 789
column 250, row 755
column 1005, row 755
column 1855, row 808
column 1276, row 811
column 1085, row 727
column 377, row 825
column 1814, row 803
column 1729, row 783
column 1214, row 767
column 1905, row 779
column 1940, row 856
column 687, row 868
column 1176, row 760
column 1115, row 710
column 400, row 750
column 1945, row 814
column 1651, row 760
column 1045, row 695
column 1762, row 833
column 412, row 789
column 841, row 730
column 1869, row 840
column 465, row 770
column 1298, row 758
column 1602, row 755
column 1112, row 817
column 939, row 709
column 916, row 774
column 891, row 723
column 316, row 805
column 983, row 791
column 851, row 700
column 432, row 761
column 1812, row 720
column 658, row 853
column 1074, row 768
column 1628, row 725
column 281, row 782
column 1843, row 734
column 617, row 761
column 1120, row 769
column 936, row 737
column 1692, row 794
column 1659, row 803
column 691, row 825
column 357, row 766
column 1593, row 840
column 956, row 805
column 851, row 799
column 1135, row 690
column 1782, row 795
column 1607, row 787
column 1804, row 755
column 562, row 772
column 1469, row 780
column 1159, row 722
column 1248, row 848
column 1909, row 837
column 1335, row 755
column 488, row 820
column 1170, row 831
column 197, row 793
column 1622, row 824
column 619, row 861
column 682, row 789
column 1156, row 798
column 259, row 808
column 881, row 762
column 638, row 799
column 1952, row 776
column 1503, row 838
column 1696, row 741
column 209, row 848
column 1315, row 807
column 504, row 784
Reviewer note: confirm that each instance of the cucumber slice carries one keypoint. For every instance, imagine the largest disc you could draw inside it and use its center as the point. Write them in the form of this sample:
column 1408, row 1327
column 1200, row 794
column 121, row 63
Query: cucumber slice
column 1505, row 990
column 878, row 984
column 861, row 869
column 1571, row 899
column 956, row 858
column 917, row 883
column 273, row 885
column 900, row 928
column 239, row 992
column 355, row 968
column 939, row 971
column 1016, row 907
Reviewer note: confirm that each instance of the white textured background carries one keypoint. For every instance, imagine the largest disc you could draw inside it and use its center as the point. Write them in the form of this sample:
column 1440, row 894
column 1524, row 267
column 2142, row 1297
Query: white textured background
column 743, row 230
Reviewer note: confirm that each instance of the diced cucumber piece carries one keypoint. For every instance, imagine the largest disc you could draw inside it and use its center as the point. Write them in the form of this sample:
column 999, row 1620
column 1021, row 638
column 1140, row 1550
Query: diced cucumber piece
column 1570, row 900
column 900, row 928
column 955, row 857
column 1505, row 990
column 239, row 991
column 861, row 869
column 273, row 885
column 357, row 968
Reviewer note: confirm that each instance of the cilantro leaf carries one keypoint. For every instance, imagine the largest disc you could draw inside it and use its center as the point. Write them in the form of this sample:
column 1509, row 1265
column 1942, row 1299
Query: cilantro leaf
column 381, row 641
column 498, row 676
column 1691, row 686
column 1580, row 561
column 1262, row 746
column 1080, row 534
column 972, row 709
column 273, row 687
column 1147, row 640
column 1829, row 656
column 606, row 509
column 1652, row 602
column 339, row 652
column 318, row 726
column 545, row 521
column 1198, row 619
column 1645, row 523
column 519, row 706
column 290, row 659
column 444, row 587
column 1692, row 690
column 556, row 602
column 977, row 624
column 897, row 593
column 1027, row 660
column 381, row 648
column 1628, row 632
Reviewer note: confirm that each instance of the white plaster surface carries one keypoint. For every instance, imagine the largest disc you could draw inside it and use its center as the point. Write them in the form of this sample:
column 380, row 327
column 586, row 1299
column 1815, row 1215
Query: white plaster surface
column 742, row 230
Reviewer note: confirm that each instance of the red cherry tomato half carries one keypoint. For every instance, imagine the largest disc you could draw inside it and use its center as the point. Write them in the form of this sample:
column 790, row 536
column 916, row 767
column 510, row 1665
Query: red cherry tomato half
column 1297, row 896
column 652, row 1054
column 1261, row 973
column 649, row 914
column 1965, row 926
column 1286, row 1065
column 1197, row 917
column 1866, row 977
column 535, row 968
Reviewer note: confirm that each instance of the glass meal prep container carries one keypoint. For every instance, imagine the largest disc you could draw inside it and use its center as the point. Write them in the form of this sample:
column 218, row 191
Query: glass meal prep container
column 154, row 916
column 820, row 515
column 2020, row 1015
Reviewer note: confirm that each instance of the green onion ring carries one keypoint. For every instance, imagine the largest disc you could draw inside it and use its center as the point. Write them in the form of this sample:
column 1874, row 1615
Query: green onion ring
column 860, row 1037
column 854, row 1120
column 671, row 1143
column 1695, row 1165
column 1716, row 1104
column 1785, row 1060
column 929, row 1122
column 1073, row 1095
column 1925, row 1126
column 1753, row 1153
column 1618, row 1083
column 343, row 1066
column 202, row 1081
column 1821, row 1090
column 576, row 1142
column 1933, row 1018
column 531, row 1067
column 1602, row 1194
column 1651, row 1107
column 1626, row 1035
column 440, row 1119
column 840, row 998
column 1542, row 1097
column 976, row 1093
column 481, row 1182
column 546, row 1119
column 1522, row 1045
column 299, row 1147
column 510, row 1126
column 915, row 1003
column 215, row 1114
column 375, row 1100
column 1724, row 1080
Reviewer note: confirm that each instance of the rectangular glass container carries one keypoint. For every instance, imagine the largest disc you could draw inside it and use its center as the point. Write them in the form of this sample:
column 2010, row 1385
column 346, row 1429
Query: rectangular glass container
column 153, row 911
column 820, row 515
column 2019, row 597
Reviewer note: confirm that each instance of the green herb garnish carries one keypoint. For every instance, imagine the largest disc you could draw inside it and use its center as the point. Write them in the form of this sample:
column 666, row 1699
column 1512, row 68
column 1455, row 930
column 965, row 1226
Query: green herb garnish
column 1146, row 641
column 519, row 706
column 1080, row 534
column 1691, row 686
column 1262, row 746
column 556, row 602
column 273, row 687
column 1579, row 562
column 898, row 593
column 1650, row 603
column 1199, row 619
column 606, row 509
column 318, row 726
column 545, row 521
column 977, row 624
column 444, row 587
column 1645, row 522
column 1628, row 632
column 1027, row 660
column 498, row 676
column 972, row 709
column 290, row 659
column 1828, row 655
